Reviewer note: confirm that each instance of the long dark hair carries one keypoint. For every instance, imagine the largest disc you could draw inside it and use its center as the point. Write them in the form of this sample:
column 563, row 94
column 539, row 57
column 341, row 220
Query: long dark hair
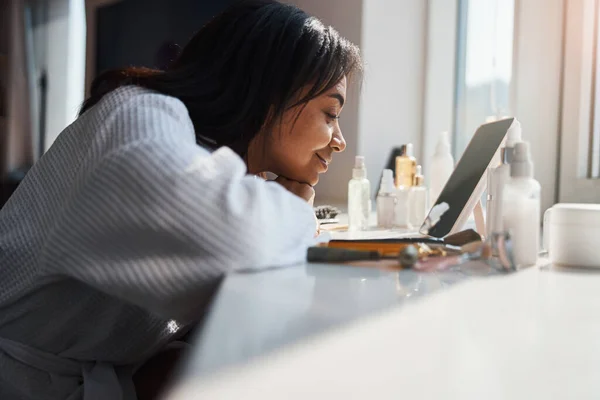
column 245, row 68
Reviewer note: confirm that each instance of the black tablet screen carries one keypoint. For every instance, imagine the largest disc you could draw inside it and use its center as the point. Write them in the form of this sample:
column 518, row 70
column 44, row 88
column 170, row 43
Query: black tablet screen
column 468, row 172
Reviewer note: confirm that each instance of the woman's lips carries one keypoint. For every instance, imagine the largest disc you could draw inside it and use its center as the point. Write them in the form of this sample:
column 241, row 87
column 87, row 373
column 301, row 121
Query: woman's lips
column 324, row 162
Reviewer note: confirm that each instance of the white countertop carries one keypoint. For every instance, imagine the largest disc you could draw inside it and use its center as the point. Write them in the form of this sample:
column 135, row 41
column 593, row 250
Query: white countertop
column 534, row 334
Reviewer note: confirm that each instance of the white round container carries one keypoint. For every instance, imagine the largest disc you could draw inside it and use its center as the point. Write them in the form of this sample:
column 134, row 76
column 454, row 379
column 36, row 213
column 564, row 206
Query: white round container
column 572, row 235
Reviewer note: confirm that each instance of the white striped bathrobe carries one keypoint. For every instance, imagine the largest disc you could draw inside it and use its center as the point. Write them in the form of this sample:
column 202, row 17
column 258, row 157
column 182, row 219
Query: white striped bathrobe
column 115, row 239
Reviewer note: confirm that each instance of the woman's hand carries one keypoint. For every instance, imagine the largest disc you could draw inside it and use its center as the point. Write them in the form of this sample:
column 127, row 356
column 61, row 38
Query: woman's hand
column 302, row 190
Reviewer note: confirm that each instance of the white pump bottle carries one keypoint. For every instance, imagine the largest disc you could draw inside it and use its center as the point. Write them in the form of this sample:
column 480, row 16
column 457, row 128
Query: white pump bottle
column 522, row 207
column 497, row 179
column 442, row 166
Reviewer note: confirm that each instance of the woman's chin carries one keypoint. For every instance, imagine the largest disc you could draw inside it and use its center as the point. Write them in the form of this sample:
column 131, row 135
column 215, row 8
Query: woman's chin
column 310, row 177
column 314, row 180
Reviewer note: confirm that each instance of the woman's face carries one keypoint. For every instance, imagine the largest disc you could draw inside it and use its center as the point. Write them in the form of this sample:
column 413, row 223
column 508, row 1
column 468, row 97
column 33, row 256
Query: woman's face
column 304, row 139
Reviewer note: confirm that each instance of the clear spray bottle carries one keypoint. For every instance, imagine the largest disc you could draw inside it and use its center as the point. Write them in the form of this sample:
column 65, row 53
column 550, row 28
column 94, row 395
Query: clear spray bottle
column 359, row 197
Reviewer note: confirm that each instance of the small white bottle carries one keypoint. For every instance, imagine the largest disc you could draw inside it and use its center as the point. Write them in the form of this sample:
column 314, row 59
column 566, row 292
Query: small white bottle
column 402, row 209
column 419, row 203
column 521, row 207
column 497, row 179
column 442, row 166
column 359, row 197
column 386, row 200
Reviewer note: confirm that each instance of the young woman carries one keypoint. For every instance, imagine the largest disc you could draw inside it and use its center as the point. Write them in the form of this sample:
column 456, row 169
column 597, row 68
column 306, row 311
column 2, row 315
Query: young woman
column 112, row 245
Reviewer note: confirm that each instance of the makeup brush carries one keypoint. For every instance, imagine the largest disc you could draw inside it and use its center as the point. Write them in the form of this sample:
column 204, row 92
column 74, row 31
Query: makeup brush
column 327, row 214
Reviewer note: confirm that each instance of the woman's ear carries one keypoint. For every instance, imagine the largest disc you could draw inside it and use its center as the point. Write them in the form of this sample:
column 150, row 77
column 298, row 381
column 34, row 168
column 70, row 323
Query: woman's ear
column 256, row 156
column 271, row 120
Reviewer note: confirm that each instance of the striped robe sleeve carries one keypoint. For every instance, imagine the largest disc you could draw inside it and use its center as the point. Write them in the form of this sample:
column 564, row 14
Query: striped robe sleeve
column 160, row 219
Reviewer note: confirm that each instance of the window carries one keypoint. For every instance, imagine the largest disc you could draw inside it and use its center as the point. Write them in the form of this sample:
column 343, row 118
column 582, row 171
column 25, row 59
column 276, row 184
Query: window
column 508, row 59
column 484, row 66
column 593, row 153
column 580, row 131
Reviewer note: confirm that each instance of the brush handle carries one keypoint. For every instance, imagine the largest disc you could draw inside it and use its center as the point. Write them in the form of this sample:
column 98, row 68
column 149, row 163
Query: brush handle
column 336, row 255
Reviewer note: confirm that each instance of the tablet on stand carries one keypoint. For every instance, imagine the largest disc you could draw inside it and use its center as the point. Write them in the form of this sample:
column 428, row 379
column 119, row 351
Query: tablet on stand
column 464, row 189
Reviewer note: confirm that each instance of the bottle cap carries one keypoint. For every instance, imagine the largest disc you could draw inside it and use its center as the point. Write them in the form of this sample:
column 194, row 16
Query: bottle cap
column 521, row 164
column 406, row 150
column 359, row 162
column 419, row 178
column 513, row 136
column 359, row 171
column 387, row 182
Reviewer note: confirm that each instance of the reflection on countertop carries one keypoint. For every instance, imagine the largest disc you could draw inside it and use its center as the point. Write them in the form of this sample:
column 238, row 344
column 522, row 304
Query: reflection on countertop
column 255, row 313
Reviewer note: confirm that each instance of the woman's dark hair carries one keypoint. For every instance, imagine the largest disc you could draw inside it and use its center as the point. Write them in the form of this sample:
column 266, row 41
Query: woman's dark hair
column 245, row 68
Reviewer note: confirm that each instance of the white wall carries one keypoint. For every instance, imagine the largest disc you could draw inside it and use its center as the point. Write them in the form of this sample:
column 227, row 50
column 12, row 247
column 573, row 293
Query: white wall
column 392, row 102
column 440, row 79
column 19, row 149
column 537, row 85
column 76, row 66
column 66, row 64
column 389, row 110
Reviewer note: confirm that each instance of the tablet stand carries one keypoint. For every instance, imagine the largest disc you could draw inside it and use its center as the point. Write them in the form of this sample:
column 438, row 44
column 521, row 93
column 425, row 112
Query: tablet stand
column 479, row 219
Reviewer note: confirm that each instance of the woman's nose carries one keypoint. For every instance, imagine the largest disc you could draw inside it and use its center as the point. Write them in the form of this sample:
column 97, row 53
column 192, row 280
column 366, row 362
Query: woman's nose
column 338, row 143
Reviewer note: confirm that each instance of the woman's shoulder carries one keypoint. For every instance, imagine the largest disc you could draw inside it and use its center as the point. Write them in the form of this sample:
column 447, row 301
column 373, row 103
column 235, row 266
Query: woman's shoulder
column 122, row 118
column 128, row 98
column 137, row 111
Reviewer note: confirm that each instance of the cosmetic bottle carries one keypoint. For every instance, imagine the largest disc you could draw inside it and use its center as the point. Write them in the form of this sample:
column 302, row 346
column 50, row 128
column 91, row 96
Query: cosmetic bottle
column 402, row 209
column 418, row 200
column 521, row 207
column 359, row 197
column 497, row 178
column 386, row 200
column 406, row 166
column 442, row 166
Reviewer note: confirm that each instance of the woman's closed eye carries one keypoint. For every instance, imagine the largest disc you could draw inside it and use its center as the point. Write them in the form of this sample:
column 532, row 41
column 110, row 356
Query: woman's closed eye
column 331, row 116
